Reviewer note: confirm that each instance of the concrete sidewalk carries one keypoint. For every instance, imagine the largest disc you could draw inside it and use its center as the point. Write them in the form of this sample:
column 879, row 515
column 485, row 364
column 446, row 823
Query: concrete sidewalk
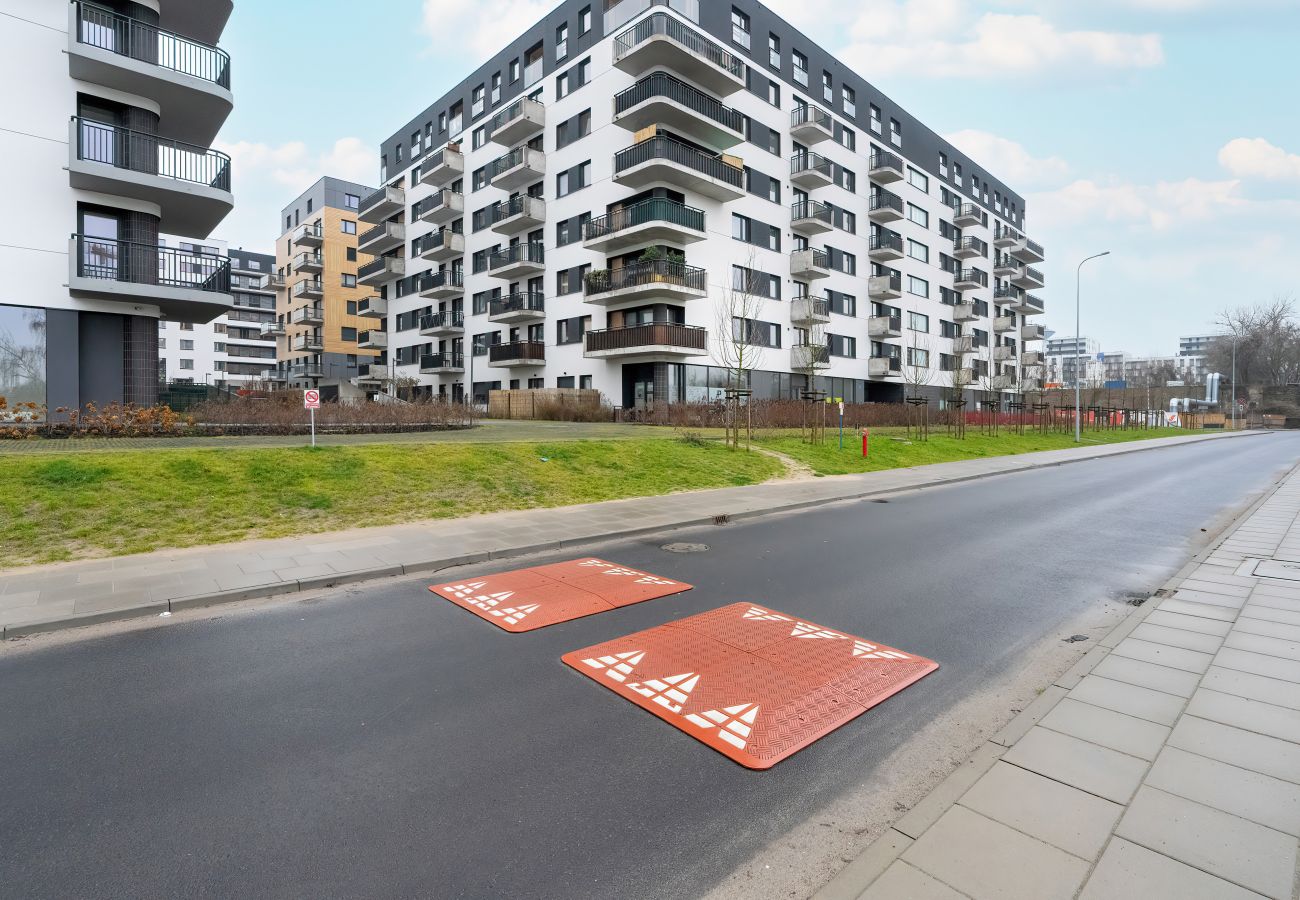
column 1164, row 766
column 46, row 598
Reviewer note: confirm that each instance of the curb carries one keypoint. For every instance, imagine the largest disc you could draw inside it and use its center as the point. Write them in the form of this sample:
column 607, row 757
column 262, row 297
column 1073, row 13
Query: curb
column 855, row 878
column 423, row 567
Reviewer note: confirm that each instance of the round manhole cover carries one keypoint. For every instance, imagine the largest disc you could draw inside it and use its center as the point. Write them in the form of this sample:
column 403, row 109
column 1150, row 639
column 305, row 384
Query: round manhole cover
column 682, row 547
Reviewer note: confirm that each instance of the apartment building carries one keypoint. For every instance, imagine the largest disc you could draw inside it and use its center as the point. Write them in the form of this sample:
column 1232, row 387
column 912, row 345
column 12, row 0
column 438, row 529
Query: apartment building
column 324, row 325
column 581, row 210
column 1064, row 355
column 107, row 125
column 232, row 350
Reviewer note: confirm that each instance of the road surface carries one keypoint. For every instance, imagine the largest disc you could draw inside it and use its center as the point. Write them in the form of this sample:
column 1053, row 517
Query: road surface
column 378, row 741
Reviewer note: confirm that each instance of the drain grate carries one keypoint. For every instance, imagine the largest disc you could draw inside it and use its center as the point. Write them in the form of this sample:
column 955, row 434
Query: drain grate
column 683, row 547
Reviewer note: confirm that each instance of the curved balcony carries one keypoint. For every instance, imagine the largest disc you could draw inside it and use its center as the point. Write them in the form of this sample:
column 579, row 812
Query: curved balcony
column 514, row 354
column 190, row 80
column 654, row 221
column 811, row 125
column 442, row 207
column 811, row 171
column 661, row 159
column 186, row 286
column 650, row 342
column 661, row 99
column 517, row 122
column 809, row 218
column 189, row 184
column 662, row 41
column 517, row 214
column 514, row 309
column 652, row 280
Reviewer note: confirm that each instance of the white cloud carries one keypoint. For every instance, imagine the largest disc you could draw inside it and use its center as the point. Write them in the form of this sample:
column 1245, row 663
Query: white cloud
column 1157, row 207
column 1010, row 161
column 480, row 27
column 1257, row 158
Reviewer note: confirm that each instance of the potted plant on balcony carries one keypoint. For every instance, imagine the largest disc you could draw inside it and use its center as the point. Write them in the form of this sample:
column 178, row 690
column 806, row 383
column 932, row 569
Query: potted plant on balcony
column 597, row 281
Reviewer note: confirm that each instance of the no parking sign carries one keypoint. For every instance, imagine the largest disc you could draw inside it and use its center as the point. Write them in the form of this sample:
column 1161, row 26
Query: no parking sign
column 311, row 399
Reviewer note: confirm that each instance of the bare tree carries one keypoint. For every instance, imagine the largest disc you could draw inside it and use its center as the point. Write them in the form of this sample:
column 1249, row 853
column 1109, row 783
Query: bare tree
column 962, row 378
column 1267, row 339
column 736, row 347
column 810, row 356
column 918, row 372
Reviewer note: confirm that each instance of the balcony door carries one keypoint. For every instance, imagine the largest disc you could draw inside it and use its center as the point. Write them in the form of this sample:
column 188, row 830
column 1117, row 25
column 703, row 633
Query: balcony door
column 101, row 246
column 98, row 139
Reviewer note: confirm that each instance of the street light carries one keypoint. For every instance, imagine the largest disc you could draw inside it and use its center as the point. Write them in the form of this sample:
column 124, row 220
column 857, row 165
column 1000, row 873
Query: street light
column 1078, row 343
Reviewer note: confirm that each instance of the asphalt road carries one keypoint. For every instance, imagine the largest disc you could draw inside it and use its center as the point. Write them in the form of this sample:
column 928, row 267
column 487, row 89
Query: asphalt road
column 380, row 742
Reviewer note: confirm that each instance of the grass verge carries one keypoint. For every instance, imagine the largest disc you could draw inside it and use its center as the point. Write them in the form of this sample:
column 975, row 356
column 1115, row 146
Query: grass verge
column 109, row 503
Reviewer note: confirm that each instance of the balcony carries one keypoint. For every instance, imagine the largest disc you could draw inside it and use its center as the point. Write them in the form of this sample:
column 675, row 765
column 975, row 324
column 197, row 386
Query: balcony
column 662, row 160
column 443, row 167
column 811, row 125
column 1031, row 358
column 382, row 238
column 517, row 353
column 442, row 363
column 885, row 206
column 1005, row 237
column 517, row 168
column 514, row 309
column 885, row 287
column 662, row 41
column 441, row 245
column 970, row 280
column 808, row 264
column 1004, row 266
column 654, row 221
column 653, row 341
column 885, row 167
column 1028, row 251
column 963, row 344
column 311, row 235
column 308, row 315
column 308, row 289
column 441, row 285
column 884, row 367
column 965, row 312
column 806, row 357
column 518, row 261
column 517, row 122
column 190, row 185
column 309, row 263
column 308, row 343
column 809, row 218
column 383, row 269
column 185, row 286
column 1004, row 353
column 1027, row 304
column 1003, row 324
column 189, row 80
column 660, row 99
column 374, row 373
column 442, row 207
column 273, row 330
column 968, row 248
column 521, row 213
column 964, row 376
column 307, row 370
column 886, row 246
column 374, row 339
column 445, row 323
column 643, row 281
column 274, row 283
column 967, row 215
column 1030, row 384
column 382, row 204
column 806, row 312
column 885, row 327
column 1002, row 382
column 811, row 171
column 1027, row 278
column 372, row 307
column 1032, row 333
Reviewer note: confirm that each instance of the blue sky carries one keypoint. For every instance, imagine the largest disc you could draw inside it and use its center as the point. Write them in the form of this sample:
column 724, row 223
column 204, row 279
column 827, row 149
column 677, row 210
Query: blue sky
column 1165, row 131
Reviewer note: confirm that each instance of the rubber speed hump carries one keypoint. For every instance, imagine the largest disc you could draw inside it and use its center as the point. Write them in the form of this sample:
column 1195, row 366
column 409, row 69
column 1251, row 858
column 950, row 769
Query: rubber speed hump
column 528, row 599
column 752, row 683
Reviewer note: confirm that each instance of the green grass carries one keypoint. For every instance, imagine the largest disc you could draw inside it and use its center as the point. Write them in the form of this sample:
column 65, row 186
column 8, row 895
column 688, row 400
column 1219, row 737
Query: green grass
column 890, row 448
column 109, row 503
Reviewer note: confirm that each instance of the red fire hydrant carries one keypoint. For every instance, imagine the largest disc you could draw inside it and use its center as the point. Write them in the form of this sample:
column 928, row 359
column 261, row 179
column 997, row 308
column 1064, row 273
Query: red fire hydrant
column 866, row 437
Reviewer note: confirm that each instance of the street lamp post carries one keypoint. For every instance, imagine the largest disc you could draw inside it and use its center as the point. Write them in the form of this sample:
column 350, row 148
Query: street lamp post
column 1234, row 379
column 1078, row 345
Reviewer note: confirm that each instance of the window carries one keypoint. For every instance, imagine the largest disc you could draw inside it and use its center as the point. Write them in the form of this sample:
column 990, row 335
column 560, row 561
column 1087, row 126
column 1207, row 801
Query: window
column 759, row 284
column 349, row 280
column 828, row 88
column 562, row 41
column 309, row 205
column 943, row 165
column 496, row 88
column 352, row 254
column 919, row 251
column 570, row 331
column 348, row 334
column 800, row 67
column 848, row 138
column 918, row 286
column 514, row 69
column 348, row 226
column 842, row 304
column 187, row 364
column 774, row 93
column 584, row 20
column 774, row 51
column 740, row 28
column 918, row 215
column 351, row 307
column 187, row 345
column 562, row 85
column 875, row 118
column 479, row 137
column 895, row 133
column 918, row 322
column 840, row 345
column 351, row 201
column 918, row 180
column 162, row 343
column 850, row 100
column 756, row 333
column 918, row 358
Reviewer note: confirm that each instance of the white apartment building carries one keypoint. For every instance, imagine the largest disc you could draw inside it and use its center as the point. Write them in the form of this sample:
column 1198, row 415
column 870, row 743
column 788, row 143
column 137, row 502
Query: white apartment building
column 1063, row 355
column 108, row 119
column 576, row 212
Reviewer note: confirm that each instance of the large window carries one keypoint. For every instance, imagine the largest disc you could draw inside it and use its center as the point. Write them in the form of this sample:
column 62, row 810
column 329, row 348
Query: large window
column 22, row 357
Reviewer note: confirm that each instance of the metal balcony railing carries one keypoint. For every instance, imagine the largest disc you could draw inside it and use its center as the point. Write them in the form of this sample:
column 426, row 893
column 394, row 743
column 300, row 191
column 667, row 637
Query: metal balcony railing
column 621, row 13
column 659, row 271
column 887, row 241
column 104, row 29
column 883, row 159
column 513, row 111
column 505, row 209
column 447, row 278
column 652, row 334
column 515, row 157
column 811, row 162
column 442, row 361
column 674, row 151
column 654, row 210
column 374, row 198
column 661, row 84
column 126, row 261
column 893, row 279
column 885, row 200
column 518, row 253
column 447, row 318
column 150, row 154
column 374, row 267
column 811, row 209
column 517, row 351
column 661, row 24
column 810, row 115
column 527, row 301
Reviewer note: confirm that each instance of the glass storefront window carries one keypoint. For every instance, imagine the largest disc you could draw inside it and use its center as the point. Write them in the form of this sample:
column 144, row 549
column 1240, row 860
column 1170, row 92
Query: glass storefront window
column 22, row 355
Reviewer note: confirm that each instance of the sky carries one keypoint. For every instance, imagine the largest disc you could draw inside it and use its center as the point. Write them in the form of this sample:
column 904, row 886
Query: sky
column 1164, row 131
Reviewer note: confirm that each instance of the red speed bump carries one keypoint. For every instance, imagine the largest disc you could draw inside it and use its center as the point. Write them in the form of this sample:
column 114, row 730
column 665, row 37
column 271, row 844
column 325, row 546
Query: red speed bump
column 752, row 683
column 528, row 599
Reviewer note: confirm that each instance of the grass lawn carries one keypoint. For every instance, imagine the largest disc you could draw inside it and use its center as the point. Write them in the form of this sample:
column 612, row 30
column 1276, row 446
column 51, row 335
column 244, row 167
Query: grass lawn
column 890, row 448
column 109, row 503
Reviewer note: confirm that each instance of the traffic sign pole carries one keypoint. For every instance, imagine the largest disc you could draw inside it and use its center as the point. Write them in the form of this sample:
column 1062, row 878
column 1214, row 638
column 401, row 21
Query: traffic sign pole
column 311, row 400
column 313, row 426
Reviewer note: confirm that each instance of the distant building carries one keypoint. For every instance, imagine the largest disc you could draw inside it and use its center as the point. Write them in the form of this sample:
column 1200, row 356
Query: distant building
column 1064, row 354
column 1197, row 345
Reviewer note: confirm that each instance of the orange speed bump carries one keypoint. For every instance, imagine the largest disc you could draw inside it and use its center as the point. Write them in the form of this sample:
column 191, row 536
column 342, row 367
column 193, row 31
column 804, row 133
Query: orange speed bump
column 752, row 683
column 528, row 599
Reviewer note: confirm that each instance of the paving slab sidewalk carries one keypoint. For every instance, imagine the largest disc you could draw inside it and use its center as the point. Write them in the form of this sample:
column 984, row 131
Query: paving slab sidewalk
column 46, row 598
column 1164, row 766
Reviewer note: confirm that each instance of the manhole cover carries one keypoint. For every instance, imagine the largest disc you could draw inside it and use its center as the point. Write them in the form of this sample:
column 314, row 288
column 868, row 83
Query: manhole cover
column 1276, row 568
column 682, row 547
